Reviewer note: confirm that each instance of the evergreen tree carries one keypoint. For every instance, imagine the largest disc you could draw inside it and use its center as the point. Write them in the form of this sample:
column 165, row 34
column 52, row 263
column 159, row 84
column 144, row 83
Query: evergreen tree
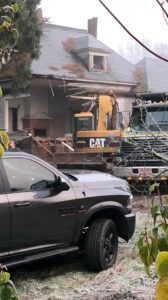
column 28, row 44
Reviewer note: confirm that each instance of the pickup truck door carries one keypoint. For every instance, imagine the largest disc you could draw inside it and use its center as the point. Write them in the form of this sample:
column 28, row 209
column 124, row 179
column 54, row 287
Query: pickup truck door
column 4, row 220
column 41, row 215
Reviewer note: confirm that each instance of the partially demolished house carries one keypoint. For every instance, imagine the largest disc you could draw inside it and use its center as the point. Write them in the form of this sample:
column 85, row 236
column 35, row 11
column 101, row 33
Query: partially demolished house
column 73, row 66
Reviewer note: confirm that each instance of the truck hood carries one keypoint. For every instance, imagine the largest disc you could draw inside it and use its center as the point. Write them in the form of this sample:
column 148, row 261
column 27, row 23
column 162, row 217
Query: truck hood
column 98, row 180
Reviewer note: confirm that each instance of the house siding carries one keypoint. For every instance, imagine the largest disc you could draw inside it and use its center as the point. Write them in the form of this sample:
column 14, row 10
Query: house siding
column 125, row 106
column 2, row 113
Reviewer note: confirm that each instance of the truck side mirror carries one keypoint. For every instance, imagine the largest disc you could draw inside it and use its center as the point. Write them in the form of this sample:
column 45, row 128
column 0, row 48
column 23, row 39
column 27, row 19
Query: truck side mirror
column 62, row 185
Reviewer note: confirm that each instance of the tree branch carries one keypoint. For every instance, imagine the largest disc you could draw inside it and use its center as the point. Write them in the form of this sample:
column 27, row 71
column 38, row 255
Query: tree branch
column 161, row 5
column 136, row 39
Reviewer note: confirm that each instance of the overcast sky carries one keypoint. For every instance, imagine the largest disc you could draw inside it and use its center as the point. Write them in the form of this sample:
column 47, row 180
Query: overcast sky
column 143, row 18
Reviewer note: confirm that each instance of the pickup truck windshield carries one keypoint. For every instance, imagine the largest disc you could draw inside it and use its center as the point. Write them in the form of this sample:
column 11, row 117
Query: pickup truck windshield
column 153, row 118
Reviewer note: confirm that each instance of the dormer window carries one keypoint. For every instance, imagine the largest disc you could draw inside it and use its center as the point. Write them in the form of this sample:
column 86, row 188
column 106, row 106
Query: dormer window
column 98, row 62
column 93, row 53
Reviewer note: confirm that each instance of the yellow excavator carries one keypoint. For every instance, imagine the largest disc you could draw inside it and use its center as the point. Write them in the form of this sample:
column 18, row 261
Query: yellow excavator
column 95, row 136
column 97, row 133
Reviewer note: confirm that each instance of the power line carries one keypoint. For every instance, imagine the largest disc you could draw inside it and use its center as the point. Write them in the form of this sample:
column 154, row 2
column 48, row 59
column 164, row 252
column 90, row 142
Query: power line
column 163, row 9
column 165, row 14
column 135, row 38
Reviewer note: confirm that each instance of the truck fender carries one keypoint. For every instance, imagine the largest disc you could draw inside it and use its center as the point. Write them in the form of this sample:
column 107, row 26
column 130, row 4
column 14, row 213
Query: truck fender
column 109, row 209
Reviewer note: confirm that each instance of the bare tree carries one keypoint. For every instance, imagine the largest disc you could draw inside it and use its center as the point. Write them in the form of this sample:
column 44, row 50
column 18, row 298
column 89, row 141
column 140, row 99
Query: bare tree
column 165, row 14
column 133, row 52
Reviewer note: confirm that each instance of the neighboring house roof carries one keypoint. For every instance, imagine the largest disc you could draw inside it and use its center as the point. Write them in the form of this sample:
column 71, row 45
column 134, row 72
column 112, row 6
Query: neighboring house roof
column 60, row 47
column 153, row 75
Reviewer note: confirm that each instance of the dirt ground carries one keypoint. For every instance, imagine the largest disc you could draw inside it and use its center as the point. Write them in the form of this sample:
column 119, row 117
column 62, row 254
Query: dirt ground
column 67, row 278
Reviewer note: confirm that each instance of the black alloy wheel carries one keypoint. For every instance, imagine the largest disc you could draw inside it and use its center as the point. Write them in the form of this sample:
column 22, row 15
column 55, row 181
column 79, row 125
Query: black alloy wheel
column 101, row 245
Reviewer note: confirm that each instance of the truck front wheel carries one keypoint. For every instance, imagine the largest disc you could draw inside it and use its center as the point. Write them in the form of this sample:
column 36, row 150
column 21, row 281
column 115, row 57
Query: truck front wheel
column 101, row 244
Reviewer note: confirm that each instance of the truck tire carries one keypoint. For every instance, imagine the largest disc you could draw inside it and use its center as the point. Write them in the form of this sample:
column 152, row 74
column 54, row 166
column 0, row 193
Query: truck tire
column 101, row 245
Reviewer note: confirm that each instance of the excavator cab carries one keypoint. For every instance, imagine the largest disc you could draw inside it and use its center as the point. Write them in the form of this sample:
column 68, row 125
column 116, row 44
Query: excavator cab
column 92, row 130
column 83, row 121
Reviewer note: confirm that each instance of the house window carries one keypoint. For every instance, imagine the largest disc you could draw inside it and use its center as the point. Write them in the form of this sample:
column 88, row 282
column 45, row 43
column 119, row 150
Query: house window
column 40, row 132
column 98, row 63
column 13, row 118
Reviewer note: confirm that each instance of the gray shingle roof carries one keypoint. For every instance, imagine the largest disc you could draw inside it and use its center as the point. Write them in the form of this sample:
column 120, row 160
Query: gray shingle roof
column 58, row 57
column 154, row 74
column 90, row 42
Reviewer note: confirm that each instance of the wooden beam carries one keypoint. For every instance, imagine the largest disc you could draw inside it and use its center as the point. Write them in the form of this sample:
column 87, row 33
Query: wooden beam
column 82, row 98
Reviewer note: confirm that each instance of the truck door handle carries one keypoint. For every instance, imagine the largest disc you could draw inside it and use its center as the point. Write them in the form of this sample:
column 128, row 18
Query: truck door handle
column 21, row 204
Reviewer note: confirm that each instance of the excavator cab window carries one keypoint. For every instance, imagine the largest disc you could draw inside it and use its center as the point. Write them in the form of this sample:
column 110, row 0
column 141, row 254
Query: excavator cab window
column 83, row 124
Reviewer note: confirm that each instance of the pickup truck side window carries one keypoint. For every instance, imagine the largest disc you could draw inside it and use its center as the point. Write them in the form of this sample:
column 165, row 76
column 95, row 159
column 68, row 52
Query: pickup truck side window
column 25, row 175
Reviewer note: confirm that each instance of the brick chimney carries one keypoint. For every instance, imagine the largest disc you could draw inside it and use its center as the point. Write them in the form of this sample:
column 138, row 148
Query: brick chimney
column 92, row 26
